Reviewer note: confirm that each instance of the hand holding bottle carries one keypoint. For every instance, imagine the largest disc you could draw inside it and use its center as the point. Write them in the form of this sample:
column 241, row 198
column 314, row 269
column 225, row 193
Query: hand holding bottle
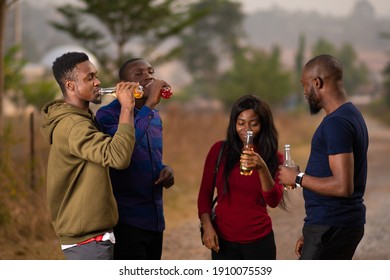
column 125, row 93
column 153, row 92
column 246, row 169
column 288, row 162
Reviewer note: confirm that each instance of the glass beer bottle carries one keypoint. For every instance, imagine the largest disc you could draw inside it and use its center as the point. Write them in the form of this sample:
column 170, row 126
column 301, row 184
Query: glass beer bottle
column 246, row 171
column 288, row 161
column 165, row 92
column 138, row 91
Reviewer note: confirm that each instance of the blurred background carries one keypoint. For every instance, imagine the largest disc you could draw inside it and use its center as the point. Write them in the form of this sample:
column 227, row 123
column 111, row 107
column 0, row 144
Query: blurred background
column 211, row 52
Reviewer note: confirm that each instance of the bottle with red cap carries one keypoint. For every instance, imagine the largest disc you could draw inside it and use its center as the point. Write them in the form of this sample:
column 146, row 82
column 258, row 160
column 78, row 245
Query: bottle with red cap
column 165, row 92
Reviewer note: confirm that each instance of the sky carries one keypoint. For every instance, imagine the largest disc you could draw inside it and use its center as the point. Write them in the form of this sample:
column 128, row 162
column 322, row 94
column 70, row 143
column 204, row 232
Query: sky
column 326, row 7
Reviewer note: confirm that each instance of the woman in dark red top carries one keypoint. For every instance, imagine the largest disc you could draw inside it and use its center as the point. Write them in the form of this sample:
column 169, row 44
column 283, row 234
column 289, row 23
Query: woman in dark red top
column 242, row 228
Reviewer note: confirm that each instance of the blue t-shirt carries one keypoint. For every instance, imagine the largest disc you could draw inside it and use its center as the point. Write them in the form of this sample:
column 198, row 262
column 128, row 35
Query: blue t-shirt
column 342, row 131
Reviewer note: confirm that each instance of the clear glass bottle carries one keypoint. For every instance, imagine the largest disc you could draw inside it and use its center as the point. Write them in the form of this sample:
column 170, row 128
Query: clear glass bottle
column 246, row 171
column 165, row 92
column 288, row 161
column 138, row 91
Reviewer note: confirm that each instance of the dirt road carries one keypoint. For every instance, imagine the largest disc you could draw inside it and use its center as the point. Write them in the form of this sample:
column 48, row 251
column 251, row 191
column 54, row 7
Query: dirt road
column 182, row 240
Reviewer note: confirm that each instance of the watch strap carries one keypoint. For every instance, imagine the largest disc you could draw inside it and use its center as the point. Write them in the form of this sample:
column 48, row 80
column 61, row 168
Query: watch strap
column 298, row 180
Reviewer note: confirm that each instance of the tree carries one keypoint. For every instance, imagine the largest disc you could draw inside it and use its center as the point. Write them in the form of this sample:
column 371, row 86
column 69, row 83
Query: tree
column 20, row 91
column 210, row 45
column 299, row 61
column 356, row 73
column 386, row 73
column 13, row 69
column 13, row 75
column 38, row 93
column 255, row 72
column 4, row 6
column 386, row 83
column 213, row 40
column 324, row 47
column 2, row 24
column 116, row 23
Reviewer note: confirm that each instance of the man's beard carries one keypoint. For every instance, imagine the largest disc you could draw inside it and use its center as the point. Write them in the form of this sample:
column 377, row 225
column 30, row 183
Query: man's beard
column 314, row 109
column 313, row 103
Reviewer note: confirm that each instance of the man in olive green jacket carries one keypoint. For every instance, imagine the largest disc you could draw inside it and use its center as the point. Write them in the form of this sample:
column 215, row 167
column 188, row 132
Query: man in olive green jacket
column 79, row 192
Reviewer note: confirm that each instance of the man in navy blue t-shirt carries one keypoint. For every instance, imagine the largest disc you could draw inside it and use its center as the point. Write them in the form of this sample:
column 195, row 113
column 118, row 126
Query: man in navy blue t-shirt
column 335, row 178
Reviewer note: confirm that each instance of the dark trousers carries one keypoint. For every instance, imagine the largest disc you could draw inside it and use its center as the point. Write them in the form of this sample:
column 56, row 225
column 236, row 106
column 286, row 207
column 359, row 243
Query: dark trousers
column 133, row 243
column 263, row 249
column 330, row 243
column 102, row 250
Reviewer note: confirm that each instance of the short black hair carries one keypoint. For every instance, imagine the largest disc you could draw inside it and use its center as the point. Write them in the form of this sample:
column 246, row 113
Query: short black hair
column 325, row 66
column 63, row 66
column 122, row 70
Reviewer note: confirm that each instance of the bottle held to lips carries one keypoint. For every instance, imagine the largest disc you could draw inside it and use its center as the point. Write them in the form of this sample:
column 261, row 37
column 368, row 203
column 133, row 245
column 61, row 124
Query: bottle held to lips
column 138, row 91
column 244, row 170
column 288, row 161
column 165, row 92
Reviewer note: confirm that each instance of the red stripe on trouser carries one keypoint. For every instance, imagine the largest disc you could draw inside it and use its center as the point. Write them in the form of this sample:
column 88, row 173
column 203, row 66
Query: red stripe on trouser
column 96, row 238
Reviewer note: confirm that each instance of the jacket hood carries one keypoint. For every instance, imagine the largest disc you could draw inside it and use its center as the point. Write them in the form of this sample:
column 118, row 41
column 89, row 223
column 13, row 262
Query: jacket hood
column 53, row 112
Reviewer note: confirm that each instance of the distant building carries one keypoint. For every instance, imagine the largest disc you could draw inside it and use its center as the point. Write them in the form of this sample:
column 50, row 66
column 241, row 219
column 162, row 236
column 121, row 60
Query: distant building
column 363, row 10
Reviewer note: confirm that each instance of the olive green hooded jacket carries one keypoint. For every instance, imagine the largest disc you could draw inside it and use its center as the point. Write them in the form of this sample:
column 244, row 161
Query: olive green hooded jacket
column 79, row 192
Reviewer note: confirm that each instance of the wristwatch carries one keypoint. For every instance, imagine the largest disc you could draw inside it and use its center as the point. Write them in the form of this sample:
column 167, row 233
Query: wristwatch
column 298, row 180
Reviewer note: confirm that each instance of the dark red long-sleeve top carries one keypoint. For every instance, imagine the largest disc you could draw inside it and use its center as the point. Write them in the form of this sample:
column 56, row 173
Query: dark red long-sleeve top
column 241, row 211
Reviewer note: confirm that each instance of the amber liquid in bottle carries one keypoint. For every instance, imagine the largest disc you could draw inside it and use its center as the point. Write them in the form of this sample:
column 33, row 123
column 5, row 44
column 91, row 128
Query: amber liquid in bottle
column 247, row 171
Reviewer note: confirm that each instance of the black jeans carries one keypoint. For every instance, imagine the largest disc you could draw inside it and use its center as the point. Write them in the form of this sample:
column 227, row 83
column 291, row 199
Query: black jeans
column 262, row 249
column 330, row 243
column 133, row 243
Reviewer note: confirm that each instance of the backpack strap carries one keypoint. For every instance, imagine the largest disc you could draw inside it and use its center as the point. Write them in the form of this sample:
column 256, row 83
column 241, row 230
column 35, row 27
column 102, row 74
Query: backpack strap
column 217, row 168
